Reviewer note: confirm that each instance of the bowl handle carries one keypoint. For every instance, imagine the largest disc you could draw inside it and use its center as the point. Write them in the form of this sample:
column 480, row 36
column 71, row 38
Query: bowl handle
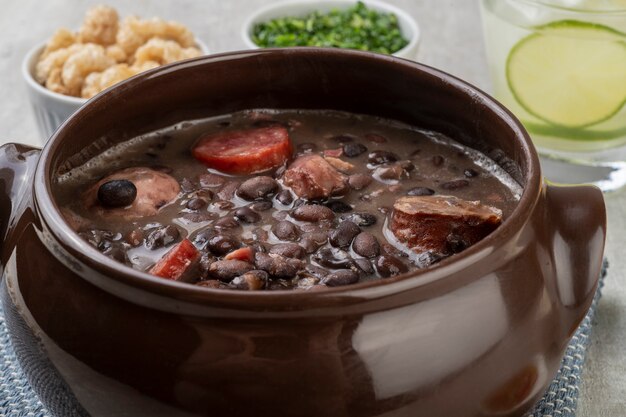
column 575, row 221
column 17, row 166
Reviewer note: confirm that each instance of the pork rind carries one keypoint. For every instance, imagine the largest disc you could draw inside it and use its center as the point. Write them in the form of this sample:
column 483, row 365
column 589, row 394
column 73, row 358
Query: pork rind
column 105, row 51
column 100, row 26
column 61, row 39
column 163, row 52
column 90, row 58
column 98, row 81
column 135, row 32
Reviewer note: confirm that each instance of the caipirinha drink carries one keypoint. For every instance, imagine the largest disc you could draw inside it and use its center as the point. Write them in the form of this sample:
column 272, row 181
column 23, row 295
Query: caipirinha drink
column 560, row 67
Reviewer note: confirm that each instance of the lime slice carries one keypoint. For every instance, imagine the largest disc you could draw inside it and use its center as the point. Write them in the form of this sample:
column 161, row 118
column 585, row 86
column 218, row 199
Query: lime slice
column 569, row 73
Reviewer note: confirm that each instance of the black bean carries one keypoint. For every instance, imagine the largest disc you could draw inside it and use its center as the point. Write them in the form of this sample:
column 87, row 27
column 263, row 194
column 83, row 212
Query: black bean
column 223, row 205
column 202, row 238
column 366, row 244
column 344, row 233
column 117, row 253
column 257, row 188
column 247, row 215
column 284, row 197
column 227, row 222
column 382, row 157
column 361, row 219
column 162, row 236
column 259, row 235
column 309, row 245
column 196, row 203
column 365, row 266
column 278, row 266
column 289, row 250
column 117, row 193
column 317, row 235
column 312, row 213
column 251, row 280
column 187, row 186
column 470, row 173
column 203, row 266
column 387, row 266
column 227, row 192
column 420, row 191
column 341, row 277
column 261, row 206
column 299, row 202
column 352, row 150
column 316, row 271
column 438, row 160
column 225, row 271
column 454, row 184
column 455, row 243
column 332, row 258
column 285, row 230
column 221, row 244
column 359, row 181
column 338, row 206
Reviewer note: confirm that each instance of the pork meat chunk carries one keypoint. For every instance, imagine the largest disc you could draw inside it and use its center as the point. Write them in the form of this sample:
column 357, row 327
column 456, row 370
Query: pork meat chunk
column 441, row 225
column 155, row 189
column 312, row 177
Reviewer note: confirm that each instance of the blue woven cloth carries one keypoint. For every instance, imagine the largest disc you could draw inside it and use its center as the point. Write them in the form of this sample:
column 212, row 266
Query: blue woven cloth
column 18, row 400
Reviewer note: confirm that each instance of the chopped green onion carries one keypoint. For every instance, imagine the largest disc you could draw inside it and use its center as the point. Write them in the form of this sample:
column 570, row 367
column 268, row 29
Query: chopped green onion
column 357, row 27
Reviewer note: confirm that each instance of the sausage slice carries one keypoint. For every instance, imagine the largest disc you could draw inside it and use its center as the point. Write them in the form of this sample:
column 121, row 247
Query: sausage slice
column 245, row 151
column 176, row 261
column 312, row 177
column 442, row 225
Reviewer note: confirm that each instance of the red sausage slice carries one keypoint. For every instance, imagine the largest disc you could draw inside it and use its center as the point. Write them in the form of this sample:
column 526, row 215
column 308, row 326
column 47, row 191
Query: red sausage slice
column 242, row 254
column 244, row 151
column 176, row 261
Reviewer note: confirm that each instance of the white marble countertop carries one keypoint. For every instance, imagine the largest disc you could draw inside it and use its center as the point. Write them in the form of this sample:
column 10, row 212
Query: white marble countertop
column 451, row 40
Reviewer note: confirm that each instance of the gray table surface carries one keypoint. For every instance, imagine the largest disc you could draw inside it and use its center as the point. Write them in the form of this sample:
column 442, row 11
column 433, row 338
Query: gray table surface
column 451, row 40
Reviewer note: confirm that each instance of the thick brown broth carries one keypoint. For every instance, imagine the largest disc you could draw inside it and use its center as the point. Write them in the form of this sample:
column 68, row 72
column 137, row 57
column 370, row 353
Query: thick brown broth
column 433, row 162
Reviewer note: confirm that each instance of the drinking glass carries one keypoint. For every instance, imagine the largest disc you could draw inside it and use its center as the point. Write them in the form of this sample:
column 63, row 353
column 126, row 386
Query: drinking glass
column 560, row 67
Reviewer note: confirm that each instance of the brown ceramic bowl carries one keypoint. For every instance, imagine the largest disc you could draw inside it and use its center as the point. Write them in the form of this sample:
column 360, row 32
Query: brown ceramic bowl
column 479, row 334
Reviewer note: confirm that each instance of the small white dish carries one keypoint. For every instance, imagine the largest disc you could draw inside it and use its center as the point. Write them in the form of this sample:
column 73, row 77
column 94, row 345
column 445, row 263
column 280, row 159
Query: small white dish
column 52, row 109
column 408, row 26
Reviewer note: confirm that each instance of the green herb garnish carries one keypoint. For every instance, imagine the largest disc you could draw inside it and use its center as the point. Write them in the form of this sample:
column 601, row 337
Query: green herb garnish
column 357, row 27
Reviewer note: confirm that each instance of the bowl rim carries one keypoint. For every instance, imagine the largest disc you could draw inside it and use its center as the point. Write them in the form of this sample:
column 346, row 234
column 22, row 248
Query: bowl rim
column 288, row 300
column 28, row 64
column 248, row 24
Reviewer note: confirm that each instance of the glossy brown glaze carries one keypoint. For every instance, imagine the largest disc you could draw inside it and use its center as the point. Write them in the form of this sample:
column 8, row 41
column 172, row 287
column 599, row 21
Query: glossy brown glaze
column 479, row 334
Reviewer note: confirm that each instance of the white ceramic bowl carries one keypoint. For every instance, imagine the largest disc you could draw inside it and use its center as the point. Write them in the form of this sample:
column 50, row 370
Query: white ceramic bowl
column 50, row 108
column 408, row 25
